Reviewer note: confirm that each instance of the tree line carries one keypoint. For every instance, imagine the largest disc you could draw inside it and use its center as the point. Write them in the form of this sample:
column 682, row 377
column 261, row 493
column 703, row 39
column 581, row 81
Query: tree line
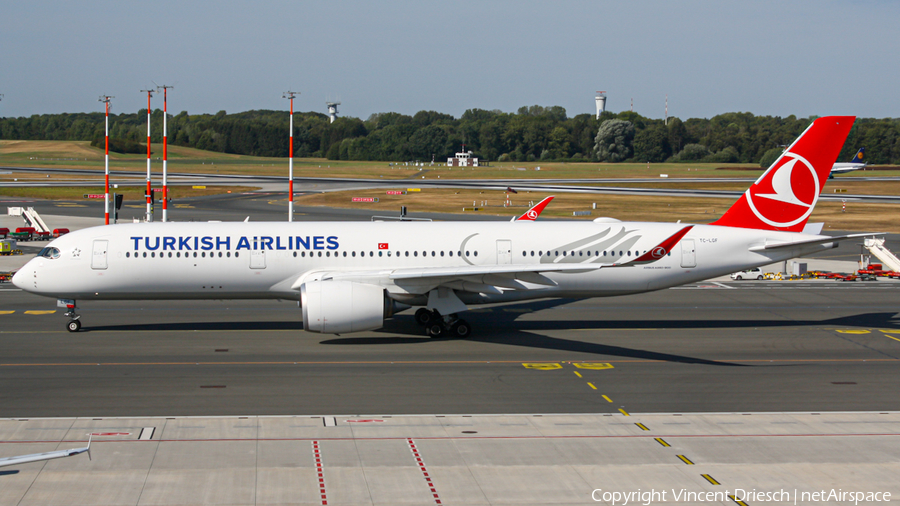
column 534, row 133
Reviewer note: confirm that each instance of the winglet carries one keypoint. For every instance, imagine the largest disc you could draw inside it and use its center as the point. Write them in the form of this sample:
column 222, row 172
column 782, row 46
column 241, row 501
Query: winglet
column 662, row 249
column 90, row 436
column 534, row 212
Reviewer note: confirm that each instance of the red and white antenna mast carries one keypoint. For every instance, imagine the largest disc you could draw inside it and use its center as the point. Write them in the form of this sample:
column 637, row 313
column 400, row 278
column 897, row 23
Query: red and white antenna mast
column 165, row 195
column 149, row 192
column 290, row 96
column 105, row 99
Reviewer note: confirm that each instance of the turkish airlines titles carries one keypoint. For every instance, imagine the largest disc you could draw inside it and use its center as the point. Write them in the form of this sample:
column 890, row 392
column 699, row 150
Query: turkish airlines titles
column 207, row 243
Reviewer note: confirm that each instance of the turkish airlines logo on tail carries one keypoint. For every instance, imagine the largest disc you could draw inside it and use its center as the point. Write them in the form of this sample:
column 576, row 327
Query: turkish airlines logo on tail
column 773, row 198
column 658, row 252
column 531, row 214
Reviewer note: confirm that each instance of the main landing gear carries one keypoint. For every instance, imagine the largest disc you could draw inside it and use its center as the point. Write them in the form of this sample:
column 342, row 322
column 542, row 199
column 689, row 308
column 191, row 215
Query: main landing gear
column 74, row 324
column 437, row 325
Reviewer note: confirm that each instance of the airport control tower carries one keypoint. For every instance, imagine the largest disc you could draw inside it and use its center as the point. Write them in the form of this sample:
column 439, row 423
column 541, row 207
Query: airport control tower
column 600, row 99
column 332, row 110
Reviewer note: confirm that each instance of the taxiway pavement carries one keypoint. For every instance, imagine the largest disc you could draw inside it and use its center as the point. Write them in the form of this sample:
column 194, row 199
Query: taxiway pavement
column 709, row 347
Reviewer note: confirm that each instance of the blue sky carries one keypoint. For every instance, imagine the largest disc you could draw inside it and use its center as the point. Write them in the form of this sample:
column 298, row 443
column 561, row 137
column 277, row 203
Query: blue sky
column 766, row 57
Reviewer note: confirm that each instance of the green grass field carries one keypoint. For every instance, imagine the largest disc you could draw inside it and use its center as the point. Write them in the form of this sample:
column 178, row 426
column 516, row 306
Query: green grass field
column 80, row 155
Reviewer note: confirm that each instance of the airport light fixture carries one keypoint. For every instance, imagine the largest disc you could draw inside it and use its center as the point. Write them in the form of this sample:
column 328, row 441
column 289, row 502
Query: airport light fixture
column 165, row 193
column 290, row 95
column 149, row 191
column 105, row 99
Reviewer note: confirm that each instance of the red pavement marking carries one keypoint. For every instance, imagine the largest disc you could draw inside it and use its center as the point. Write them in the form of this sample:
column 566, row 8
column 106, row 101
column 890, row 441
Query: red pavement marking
column 415, row 452
column 318, row 456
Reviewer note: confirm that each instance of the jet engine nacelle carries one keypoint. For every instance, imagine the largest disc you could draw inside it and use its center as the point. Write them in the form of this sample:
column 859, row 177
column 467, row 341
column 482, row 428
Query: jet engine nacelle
column 339, row 307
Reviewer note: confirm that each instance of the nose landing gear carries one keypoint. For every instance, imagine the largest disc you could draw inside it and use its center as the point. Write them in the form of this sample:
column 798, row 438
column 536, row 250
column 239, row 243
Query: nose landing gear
column 437, row 325
column 74, row 324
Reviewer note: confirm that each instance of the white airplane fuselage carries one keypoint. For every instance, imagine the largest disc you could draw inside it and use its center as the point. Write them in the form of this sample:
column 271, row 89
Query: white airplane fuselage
column 271, row 260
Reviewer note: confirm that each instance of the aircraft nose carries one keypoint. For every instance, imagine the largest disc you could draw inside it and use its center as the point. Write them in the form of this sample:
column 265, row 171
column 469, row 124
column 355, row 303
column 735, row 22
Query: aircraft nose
column 21, row 277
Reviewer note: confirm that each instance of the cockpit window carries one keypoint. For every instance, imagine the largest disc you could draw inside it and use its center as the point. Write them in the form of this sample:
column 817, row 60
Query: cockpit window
column 49, row 253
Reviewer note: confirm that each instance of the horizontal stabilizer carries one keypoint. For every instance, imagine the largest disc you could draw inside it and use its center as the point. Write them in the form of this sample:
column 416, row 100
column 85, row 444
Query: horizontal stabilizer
column 809, row 242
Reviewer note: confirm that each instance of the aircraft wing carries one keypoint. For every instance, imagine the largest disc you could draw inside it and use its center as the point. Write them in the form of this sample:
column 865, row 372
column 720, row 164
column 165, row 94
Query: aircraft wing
column 35, row 457
column 808, row 242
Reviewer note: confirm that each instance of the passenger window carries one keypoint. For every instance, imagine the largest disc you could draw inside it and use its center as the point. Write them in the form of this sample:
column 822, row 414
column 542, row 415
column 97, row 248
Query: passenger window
column 153, row 254
column 127, row 254
column 353, row 254
column 432, row 253
column 145, row 254
column 442, row 253
column 320, row 254
column 236, row 254
column 406, row 253
column 228, row 254
column 415, row 253
column 345, row 254
column 476, row 253
column 328, row 253
column 379, row 253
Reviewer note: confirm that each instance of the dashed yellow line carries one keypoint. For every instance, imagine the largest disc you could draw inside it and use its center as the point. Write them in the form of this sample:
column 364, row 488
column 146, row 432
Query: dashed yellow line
column 738, row 501
column 592, row 386
column 685, row 460
column 710, row 479
column 642, row 426
column 886, row 332
column 7, row 312
column 607, row 398
column 40, row 312
column 577, row 374
column 662, row 442
column 624, row 412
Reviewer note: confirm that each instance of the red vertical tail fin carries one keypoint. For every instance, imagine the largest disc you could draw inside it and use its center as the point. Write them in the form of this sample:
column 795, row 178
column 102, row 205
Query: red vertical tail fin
column 785, row 195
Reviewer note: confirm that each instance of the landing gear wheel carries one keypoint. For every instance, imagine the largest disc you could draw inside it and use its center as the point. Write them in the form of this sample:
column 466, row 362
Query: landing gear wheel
column 74, row 325
column 461, row 329
column 423, row 316
column 435, row 330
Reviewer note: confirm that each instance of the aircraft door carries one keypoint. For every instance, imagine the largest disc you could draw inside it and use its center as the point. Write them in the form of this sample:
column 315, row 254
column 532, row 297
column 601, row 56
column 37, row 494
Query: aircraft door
column 258, row 259
column 99, row 255
column 688, row 253
column 504, row 252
